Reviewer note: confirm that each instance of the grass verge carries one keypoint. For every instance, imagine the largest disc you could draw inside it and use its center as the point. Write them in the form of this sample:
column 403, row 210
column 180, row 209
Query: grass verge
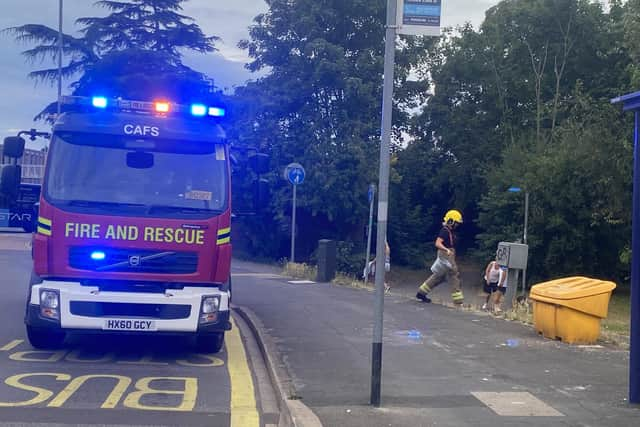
column 300, row 270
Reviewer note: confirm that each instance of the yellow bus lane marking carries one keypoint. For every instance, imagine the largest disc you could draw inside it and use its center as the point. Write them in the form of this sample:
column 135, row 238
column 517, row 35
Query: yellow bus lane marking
column 211, row 361
column 76, row 383
column 141, row 389
column 147, row 359
column 13, row 344
column 42, row 394
column 49, row 355
column 79, row 356
column 244, row 411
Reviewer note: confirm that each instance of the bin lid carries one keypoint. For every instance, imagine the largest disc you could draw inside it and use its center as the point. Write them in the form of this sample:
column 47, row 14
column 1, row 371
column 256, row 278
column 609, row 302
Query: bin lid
column 572, row 287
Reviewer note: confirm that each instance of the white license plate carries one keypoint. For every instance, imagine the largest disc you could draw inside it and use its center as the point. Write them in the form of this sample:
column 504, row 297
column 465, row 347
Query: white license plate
column 129, row 325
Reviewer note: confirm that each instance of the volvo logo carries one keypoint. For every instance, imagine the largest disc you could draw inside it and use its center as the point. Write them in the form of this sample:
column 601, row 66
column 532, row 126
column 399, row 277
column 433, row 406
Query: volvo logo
column 135, row 260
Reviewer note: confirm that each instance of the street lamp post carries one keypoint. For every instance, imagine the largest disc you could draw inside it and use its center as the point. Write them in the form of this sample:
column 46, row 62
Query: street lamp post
column 60, row 7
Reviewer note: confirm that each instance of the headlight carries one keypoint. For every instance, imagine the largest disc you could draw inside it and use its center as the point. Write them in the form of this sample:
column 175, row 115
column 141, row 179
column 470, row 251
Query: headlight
column 49, row 299
column 49, row 303
column 210, row 305
column 209, row 309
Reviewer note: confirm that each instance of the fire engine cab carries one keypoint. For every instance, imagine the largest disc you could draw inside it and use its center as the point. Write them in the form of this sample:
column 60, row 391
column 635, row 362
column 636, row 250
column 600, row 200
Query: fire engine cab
column 133, row 231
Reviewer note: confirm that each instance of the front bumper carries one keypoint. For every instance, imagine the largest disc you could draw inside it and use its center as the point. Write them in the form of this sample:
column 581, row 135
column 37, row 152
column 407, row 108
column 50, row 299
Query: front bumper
column 86, row 309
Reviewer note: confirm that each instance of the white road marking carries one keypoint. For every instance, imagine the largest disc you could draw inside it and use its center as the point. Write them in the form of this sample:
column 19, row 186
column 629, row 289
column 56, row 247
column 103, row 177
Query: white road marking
column 516, row 404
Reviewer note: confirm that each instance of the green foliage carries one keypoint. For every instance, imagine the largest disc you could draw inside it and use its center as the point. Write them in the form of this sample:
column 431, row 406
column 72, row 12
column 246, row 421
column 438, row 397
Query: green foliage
column 524, row 101
column 320, row 106
column 579, row 217
column 350, row 258
column 133, row 52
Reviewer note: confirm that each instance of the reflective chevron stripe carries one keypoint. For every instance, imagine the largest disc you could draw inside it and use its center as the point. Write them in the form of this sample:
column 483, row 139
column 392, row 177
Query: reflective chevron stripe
column 457, row 296
column 224, row 236
column 44, row 226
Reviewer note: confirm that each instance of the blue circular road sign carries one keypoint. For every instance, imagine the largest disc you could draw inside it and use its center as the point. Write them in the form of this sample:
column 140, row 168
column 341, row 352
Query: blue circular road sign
column 295, row 173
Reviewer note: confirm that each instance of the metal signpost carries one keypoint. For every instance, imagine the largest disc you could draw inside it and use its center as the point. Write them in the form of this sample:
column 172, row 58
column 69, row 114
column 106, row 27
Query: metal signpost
column 415, row 18
column 631, row 102
column 370, row 196
column 524, row 233
column 294, row 172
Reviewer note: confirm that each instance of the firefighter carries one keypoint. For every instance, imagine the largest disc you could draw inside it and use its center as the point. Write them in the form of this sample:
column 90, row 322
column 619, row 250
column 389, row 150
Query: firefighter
column 445, row 268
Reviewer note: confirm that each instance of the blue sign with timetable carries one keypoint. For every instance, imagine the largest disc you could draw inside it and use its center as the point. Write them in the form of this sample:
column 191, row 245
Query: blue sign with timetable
column 420, row 17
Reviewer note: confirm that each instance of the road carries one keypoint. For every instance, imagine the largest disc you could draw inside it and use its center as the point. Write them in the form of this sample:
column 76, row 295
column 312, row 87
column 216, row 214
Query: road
column 132, row 381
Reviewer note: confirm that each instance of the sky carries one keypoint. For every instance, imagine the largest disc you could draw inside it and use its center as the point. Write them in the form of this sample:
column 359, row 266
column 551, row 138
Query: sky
column 22, row 99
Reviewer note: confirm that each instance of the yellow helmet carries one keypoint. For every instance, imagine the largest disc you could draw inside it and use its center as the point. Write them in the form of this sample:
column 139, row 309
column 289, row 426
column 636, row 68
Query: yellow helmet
column 453, row 216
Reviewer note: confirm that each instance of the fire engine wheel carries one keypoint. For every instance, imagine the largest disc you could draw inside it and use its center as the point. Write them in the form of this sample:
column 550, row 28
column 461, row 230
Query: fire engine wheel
column 44, row 338
column 210, row 343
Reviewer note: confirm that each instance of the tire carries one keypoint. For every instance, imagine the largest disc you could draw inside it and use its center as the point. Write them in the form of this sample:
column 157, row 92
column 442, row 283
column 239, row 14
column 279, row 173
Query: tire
column 45, row 338
column 210, row 343
column 33, row 280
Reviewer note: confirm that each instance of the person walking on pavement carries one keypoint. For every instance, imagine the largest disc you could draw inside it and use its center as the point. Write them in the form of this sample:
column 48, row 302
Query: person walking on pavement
column 495, row 281
column 370, row 269
column 445, row 267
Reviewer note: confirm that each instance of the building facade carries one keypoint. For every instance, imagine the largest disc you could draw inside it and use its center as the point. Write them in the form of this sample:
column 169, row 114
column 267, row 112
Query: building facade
column 32, row 163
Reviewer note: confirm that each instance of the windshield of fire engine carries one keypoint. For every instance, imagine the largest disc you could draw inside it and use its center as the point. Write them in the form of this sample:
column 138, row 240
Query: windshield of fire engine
column 91, row 171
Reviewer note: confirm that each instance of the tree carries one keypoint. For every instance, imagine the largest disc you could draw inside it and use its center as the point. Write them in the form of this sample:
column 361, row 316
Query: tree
column 136, row 50
column 523, row 100
column 320, row 106
column 154, row 25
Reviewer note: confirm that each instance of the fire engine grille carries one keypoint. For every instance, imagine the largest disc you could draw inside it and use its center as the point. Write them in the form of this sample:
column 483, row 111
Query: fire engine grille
column 132, row 260
column 117, row 309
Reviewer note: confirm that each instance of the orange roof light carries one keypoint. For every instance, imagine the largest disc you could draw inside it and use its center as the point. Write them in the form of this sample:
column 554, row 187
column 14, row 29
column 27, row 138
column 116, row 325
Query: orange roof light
column 162, row 106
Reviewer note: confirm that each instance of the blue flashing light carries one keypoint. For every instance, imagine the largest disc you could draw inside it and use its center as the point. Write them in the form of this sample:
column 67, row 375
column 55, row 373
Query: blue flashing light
column 198, row 110
column 98, row 255
column 99, row 102
column 217, row 112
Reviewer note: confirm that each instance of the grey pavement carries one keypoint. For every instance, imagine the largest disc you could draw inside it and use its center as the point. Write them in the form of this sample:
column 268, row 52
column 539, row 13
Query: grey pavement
column 441, row 366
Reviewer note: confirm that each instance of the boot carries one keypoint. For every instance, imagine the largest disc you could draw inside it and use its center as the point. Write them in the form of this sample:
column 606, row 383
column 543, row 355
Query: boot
column 422, row 297
column 457, row 297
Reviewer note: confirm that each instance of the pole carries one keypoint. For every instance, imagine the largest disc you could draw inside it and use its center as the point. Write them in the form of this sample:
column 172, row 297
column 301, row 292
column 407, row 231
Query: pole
column 634, row 353
column 366, row 262
column 526, row 216
column 60, row 7
column 293, row 225
column 383, row 200
column 524, row 239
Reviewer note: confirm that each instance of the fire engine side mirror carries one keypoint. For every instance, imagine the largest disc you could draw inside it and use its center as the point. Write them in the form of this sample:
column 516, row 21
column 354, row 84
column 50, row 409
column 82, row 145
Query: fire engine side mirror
column 10, row 181
column 13, row 147
column 259, row 163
